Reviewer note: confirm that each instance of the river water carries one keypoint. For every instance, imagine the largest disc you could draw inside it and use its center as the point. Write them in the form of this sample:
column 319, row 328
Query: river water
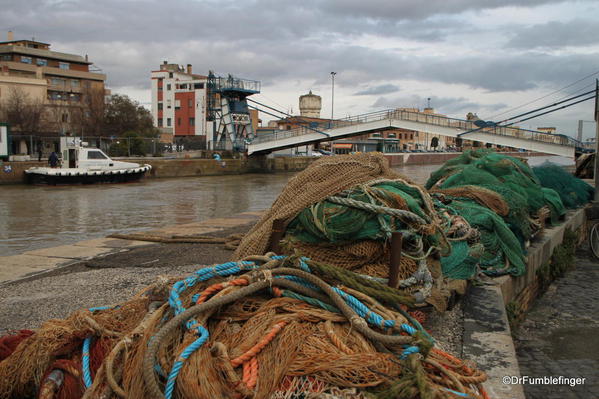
column 33, row 217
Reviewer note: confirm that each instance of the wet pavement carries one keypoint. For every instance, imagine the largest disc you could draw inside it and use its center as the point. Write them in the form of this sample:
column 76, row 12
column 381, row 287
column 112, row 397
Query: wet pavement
column 560, row 336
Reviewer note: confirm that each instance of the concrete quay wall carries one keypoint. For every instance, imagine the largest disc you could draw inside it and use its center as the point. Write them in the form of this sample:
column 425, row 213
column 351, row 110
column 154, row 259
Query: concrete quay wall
column 487, row 333
column 14, row 172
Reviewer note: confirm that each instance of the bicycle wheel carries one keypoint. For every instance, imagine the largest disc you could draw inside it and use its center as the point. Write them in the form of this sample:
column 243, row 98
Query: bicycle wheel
column 594, row 240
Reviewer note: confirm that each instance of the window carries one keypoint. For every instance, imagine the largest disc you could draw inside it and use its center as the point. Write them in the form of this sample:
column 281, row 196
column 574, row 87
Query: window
column 168, row 122
column 64, row 65
column 177, row 104
column 65, row 117
column 57, row 82
column 95, row 155
column 190, row 103
column 75, row 97
column 75, row 83
column 159, row 122
column 6, row 57
column 170, row 75
column 160, row 83
column 168, row 103
column 55, row 95
column 391, row 135
column 159, row 106
column 168, row 86
column 178, row 121
column 26, row 60
column 198, row 85
column 42, row 62
column 192, row 121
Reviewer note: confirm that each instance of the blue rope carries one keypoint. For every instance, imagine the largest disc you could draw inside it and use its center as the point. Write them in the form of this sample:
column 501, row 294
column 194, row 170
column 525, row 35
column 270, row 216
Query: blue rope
column 223, row 270
column 99, row 308
column 188, row 351
column 460, row 394
column 410, row 350
column 87, row 375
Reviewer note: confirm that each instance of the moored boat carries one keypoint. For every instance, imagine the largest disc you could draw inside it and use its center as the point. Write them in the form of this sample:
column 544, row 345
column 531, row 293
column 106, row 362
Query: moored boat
column 85, row 165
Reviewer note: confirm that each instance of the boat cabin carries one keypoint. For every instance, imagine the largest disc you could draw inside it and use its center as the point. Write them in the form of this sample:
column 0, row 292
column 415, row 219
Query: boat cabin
column 75, row 154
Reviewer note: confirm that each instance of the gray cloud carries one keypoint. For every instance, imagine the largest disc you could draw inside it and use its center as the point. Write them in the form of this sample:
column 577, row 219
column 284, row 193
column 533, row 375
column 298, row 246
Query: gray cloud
column 452, row 106
column 381, row 89
column 292, row 44
column 556, row 34
column 417, row 9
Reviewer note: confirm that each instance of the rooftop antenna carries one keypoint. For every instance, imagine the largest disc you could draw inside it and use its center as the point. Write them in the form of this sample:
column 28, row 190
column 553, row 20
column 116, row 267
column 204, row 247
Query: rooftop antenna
column 428, row 103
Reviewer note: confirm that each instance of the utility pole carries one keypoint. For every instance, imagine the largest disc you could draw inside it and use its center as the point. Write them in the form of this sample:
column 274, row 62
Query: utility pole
column 332, row 94
column 596, row 139
column 580, row 130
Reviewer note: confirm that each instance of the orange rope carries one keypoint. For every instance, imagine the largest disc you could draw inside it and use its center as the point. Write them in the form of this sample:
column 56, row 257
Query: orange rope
column 253, row 351
column 328, row 328
column 214, row 288
column 251, row 368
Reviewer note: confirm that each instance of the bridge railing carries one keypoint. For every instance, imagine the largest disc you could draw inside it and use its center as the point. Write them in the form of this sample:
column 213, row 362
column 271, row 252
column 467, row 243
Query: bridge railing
column 438, row 120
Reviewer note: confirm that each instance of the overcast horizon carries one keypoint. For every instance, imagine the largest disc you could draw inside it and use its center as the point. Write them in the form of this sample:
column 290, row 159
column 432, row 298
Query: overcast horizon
column 481, row 56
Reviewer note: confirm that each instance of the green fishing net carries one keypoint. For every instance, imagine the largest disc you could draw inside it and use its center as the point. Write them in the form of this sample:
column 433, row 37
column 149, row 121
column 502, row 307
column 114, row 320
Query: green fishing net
column 572, row 191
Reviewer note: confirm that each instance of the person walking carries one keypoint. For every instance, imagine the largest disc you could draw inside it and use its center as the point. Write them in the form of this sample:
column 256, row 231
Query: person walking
column 39, row 154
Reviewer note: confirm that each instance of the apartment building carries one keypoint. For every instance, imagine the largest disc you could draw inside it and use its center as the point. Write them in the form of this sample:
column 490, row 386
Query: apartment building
column 179, row 100
column 58, row 80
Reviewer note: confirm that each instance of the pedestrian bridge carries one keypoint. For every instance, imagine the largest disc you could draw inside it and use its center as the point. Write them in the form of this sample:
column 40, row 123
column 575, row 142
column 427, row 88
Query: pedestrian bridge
column 530, row 140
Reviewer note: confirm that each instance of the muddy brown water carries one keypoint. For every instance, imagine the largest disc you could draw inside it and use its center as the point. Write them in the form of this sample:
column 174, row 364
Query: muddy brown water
column 33, row 217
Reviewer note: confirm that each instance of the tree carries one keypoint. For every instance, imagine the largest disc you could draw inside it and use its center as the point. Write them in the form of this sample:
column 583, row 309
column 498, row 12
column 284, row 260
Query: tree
column 25, row 115
column 88, row 118
column 125, row 115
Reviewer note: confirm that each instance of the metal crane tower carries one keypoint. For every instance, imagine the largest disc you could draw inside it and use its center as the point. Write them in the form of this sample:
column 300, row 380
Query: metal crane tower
column 228, row 111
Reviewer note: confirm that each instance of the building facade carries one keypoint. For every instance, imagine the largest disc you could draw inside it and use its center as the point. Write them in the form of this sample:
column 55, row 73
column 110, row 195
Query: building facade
column 179, row 100
column 58, row 80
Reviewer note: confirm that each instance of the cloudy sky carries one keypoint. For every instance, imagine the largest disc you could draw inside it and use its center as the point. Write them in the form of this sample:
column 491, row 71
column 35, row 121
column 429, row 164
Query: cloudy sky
column 491, row 57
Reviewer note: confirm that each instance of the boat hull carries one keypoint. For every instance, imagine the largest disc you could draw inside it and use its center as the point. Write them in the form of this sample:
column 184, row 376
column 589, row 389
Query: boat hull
column 92, row 177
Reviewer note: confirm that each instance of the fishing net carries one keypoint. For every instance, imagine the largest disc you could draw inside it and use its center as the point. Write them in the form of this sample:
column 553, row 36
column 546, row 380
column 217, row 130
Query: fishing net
column 496, row 172
column 572, row 191
column 264, row 327
column 325, row 177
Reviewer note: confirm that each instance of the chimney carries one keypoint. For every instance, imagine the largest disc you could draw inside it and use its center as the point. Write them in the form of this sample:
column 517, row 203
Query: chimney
column 10, row 37
column 86, row 59
column 189, row 69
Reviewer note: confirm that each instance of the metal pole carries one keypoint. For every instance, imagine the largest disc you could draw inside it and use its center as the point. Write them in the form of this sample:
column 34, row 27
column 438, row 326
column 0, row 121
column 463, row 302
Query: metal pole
column 394, row 261
column 596, row 117
column 278, row 231
column 129, row 146
column 332, row 94
column 580, row 130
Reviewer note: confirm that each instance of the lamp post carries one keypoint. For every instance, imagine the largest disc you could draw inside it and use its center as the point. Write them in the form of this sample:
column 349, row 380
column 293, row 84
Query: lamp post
column 332, row 94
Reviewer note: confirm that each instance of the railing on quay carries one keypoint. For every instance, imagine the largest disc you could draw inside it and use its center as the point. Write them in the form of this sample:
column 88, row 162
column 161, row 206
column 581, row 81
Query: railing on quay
column 420, row 117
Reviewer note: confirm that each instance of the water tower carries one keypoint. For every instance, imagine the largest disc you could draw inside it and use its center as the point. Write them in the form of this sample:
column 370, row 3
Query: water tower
column 310, row 105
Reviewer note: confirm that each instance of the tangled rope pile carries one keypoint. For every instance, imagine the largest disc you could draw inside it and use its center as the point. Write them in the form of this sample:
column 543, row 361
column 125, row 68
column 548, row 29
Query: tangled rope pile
column 266, row 326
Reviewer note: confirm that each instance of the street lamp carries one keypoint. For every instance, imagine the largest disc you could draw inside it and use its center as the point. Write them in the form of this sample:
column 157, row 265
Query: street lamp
column 332, row 94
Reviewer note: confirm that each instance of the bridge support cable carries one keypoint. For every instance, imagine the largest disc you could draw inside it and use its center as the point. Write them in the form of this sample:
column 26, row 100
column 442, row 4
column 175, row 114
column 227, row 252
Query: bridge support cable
column 489, row 124
column 276, row 116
